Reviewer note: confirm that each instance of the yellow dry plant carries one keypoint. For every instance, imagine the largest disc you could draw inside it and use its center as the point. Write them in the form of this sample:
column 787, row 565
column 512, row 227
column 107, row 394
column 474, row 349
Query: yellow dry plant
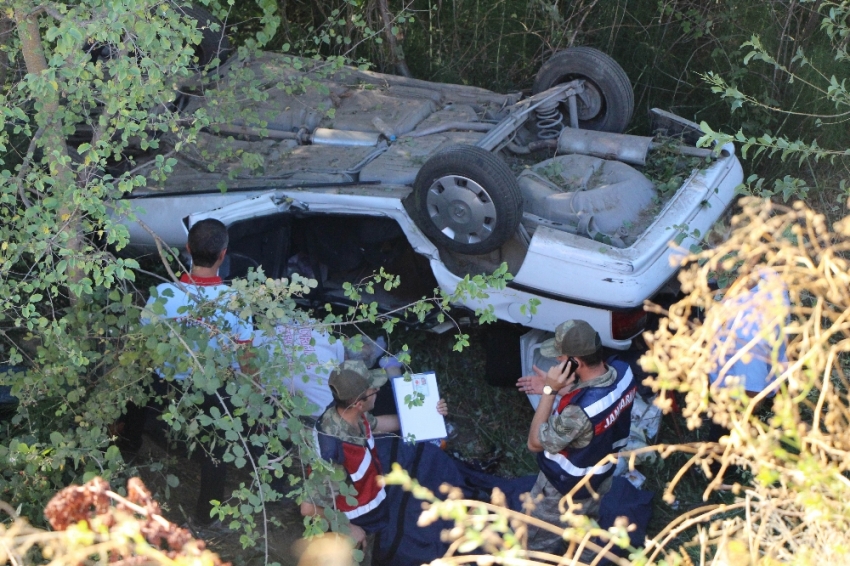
column 93, row 525
column 798, row 508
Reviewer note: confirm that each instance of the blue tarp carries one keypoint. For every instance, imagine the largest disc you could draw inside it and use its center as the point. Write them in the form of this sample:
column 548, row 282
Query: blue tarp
column 401, row 542
column 625, row 500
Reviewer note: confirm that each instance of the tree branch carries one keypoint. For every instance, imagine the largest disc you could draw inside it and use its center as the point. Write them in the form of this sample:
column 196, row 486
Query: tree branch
column 25, row 167
column 56, row 149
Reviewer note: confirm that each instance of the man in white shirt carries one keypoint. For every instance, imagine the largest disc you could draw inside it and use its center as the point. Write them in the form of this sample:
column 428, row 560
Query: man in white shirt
column 198, row 306
column 305, row 354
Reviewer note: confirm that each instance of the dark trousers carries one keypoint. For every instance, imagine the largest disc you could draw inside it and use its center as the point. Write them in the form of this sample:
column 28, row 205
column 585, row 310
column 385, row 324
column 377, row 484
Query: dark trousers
column 213, row 469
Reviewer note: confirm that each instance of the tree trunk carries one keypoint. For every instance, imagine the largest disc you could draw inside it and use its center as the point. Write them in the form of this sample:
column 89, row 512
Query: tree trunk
column 55, row 147
column 6, row 26
column 812, row 23
column 396, row 52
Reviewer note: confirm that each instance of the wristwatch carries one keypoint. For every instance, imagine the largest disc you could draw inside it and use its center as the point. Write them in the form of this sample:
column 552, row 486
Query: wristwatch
column 547, row 390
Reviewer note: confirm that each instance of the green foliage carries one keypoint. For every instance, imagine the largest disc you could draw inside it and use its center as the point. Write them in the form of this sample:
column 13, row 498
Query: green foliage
column 787, row 187
column 69, row 307
column 667, row 167
column 812, row 73
column 71, row 312
column 349, row 29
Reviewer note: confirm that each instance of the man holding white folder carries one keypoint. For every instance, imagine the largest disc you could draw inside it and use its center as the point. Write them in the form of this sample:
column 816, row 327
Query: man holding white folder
column 344, row 435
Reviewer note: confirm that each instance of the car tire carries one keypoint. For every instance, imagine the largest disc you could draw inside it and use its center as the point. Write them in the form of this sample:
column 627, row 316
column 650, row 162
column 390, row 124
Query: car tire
column 214, row 43
column 611, row 98
column 466, row 200
column 502, row 356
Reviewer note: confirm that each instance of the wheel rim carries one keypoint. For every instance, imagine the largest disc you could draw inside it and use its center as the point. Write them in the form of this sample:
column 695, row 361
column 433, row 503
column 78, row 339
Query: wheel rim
column 590, row 103
column 461, row 209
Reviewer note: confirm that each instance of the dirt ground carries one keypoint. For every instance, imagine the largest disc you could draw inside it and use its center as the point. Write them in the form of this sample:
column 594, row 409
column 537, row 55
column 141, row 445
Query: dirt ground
column 178, row 502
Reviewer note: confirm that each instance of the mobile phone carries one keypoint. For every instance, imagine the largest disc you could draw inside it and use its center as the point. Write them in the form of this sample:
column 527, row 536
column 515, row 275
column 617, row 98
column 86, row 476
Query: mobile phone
column 573, row 364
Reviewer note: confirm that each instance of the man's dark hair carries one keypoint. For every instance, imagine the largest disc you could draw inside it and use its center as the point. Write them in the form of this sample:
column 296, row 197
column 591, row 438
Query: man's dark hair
column 593, row 359
column 206, row 240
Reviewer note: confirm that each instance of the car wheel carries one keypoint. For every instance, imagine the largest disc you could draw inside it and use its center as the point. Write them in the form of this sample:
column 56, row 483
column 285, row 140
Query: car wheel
column 466, row 200
column 609, row 100
column 214, row 43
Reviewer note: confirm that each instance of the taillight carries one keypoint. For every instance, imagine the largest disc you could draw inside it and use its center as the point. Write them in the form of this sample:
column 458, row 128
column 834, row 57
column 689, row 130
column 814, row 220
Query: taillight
column 628, row 324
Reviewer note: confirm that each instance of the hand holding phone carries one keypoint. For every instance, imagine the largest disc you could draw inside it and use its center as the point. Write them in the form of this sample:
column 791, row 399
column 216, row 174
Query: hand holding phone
column 569, row 366
column 562, row 374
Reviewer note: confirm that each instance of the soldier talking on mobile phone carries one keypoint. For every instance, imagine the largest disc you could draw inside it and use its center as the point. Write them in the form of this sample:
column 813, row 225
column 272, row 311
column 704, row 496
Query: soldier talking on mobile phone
column 590, row 422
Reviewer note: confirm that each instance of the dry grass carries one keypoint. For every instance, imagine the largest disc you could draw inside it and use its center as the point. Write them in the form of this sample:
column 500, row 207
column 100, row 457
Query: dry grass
column 796, row 508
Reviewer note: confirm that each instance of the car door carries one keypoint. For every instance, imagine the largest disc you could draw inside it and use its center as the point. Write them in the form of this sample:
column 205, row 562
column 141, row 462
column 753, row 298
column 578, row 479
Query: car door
column 337, row 240
column 259, row 230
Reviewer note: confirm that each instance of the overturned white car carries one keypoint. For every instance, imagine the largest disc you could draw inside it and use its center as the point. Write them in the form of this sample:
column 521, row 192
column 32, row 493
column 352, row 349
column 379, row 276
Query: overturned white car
column 360, row 170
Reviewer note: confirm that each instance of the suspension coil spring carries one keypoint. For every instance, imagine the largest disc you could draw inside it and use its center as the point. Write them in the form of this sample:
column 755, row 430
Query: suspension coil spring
column 550, row 121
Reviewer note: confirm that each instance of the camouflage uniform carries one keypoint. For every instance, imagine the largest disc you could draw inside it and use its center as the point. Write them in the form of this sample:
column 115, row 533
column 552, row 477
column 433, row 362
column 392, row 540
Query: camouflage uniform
column 333, row 424
column 570, row 429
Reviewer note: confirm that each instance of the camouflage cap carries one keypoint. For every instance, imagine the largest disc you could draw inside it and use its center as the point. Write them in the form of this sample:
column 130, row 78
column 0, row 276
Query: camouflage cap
column 352, row 378
column 572, row 338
